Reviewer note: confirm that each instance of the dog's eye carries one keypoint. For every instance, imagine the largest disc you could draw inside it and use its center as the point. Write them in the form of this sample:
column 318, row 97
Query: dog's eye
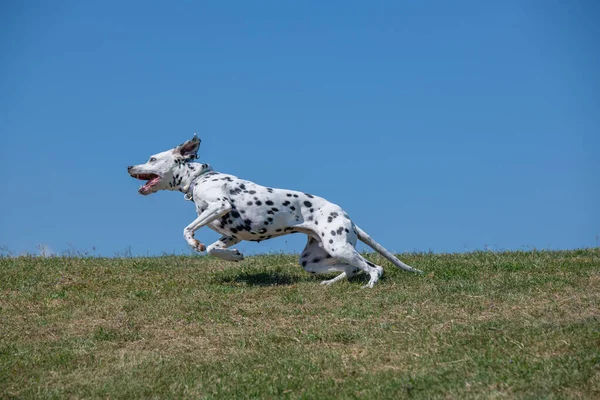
column 152, row 159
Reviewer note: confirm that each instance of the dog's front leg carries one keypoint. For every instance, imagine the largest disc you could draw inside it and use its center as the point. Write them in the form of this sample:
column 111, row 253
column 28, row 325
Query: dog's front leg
column 220, row 249
column 212, row 212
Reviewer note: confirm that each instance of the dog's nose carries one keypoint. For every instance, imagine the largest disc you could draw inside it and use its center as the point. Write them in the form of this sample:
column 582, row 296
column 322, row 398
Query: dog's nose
column 129, row 168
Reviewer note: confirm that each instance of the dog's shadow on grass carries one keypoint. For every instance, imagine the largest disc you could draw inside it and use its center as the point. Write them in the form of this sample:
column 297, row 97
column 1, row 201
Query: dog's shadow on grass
column 262, row 279
column 279, row 279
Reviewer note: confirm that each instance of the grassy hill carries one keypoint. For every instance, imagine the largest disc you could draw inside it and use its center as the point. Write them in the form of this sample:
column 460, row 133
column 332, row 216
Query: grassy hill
column 478, row 325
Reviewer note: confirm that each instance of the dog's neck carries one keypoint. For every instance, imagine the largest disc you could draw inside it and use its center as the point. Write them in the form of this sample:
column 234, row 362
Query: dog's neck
column 187, row 173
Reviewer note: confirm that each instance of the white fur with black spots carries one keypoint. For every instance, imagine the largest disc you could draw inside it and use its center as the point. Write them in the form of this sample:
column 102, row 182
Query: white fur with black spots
column 243, row 210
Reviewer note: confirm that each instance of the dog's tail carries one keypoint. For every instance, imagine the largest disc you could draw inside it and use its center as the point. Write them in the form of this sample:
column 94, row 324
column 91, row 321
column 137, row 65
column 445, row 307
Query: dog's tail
column 362, row 235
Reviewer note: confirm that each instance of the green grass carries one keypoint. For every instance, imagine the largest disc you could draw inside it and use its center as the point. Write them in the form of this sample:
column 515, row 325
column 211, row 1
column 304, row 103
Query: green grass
column 477, row 325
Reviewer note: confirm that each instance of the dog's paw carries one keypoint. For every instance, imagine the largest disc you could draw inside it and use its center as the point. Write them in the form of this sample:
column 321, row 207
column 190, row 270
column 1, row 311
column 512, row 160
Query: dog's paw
column 227, row 254
column 199, row 247
column 237, row 256
column 234, row 255
column 369, row 285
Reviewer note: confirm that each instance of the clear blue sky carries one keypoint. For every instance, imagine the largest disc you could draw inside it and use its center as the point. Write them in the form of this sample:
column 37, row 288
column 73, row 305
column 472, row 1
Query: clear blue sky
column 443, row 126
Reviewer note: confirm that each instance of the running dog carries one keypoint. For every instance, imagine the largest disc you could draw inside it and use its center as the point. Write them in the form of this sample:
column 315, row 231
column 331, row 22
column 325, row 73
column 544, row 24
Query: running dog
column 242, row 210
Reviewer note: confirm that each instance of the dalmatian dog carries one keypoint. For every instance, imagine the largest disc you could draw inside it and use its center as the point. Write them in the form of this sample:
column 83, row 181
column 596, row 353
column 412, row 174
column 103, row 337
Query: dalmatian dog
column 242, row 210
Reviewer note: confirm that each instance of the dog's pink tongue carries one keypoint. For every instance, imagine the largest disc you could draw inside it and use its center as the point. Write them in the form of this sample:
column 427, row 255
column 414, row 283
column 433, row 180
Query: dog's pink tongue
column 144, row 189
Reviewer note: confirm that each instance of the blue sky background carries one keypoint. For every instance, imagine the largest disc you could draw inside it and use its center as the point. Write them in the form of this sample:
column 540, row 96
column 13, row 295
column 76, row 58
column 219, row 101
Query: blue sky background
column 443, row 126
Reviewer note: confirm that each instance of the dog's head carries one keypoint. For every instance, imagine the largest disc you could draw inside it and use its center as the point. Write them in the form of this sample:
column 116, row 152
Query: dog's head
column 163, row 170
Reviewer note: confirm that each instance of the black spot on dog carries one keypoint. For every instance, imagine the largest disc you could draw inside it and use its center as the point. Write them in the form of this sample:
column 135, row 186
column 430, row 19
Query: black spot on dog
column 269, row 202
column 332, row 233
column 330, row 241
column 310, row 196
column 249, row 203
column 304, row 263
column 293, row 208
column 286, row 203
column 274, row 209
column 308, row 204
column 235, row 214
column 340, row 230
column 258, row 203
column 316, row 260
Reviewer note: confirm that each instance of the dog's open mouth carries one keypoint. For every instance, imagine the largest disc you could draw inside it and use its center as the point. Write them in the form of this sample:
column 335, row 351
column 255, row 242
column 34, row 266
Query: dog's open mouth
column 152, row 179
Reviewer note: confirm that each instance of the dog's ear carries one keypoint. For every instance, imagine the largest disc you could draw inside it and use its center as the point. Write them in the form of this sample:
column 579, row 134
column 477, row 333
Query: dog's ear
column 189, row 149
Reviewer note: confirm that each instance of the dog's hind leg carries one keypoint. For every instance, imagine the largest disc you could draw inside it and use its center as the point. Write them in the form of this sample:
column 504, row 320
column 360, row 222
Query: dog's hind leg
column 347, row 254
column 349, row 272
column 316, row 260
column 220, row 249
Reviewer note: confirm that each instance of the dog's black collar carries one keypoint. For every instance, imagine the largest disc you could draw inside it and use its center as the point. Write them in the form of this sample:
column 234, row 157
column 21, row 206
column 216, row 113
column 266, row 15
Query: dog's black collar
column 189, row 194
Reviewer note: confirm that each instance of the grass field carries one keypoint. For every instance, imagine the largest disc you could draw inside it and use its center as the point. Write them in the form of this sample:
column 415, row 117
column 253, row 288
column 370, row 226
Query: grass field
column 477, row 325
